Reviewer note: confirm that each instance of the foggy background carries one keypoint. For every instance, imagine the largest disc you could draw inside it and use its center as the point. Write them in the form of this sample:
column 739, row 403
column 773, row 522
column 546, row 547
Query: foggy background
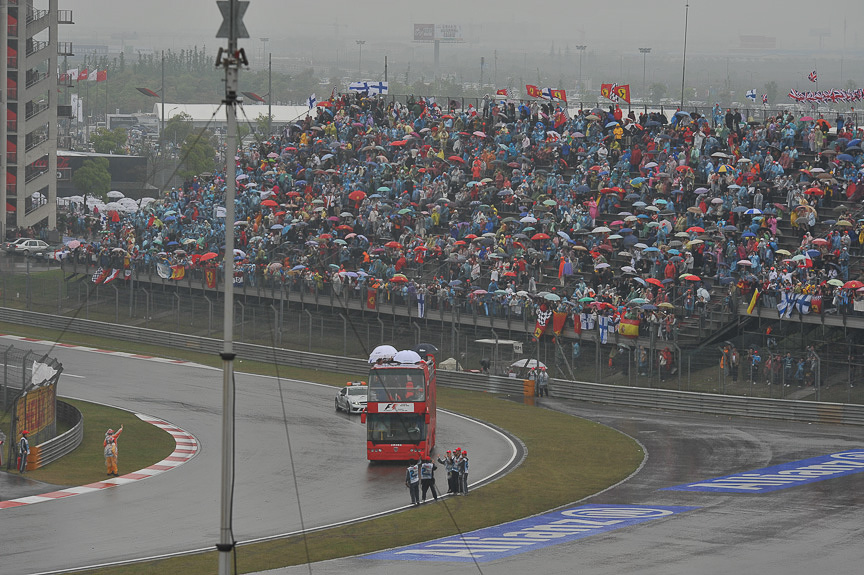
column 730, row 44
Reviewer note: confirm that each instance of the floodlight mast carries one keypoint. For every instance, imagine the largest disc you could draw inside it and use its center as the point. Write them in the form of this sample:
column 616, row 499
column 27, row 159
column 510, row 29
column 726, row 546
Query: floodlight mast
column 230, row 60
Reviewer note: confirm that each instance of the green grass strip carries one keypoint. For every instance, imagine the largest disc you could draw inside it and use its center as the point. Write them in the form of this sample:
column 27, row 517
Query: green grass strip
column 568, row 458
column 140, row 445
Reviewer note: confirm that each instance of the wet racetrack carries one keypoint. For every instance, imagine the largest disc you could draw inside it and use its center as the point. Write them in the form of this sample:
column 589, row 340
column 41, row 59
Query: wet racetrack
column 809, row 528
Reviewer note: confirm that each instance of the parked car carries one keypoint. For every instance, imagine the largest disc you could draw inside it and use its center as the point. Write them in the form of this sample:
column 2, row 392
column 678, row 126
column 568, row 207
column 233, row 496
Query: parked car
column 29, row 247
column 11, row 245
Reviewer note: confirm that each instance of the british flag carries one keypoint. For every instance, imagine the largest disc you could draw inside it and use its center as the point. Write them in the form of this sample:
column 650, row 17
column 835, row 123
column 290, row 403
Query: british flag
column 765, row 99
column 812, row 76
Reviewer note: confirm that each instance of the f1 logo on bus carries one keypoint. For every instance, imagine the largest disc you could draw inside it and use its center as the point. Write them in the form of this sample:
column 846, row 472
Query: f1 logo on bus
column 397, row 408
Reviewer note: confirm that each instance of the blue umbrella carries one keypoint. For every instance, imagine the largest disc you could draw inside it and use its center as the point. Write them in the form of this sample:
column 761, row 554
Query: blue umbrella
column 845, row 158
column 748, row 235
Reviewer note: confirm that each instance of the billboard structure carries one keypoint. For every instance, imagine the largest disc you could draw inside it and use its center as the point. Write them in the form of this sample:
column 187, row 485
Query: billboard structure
column 450, row 33
column 438, row 33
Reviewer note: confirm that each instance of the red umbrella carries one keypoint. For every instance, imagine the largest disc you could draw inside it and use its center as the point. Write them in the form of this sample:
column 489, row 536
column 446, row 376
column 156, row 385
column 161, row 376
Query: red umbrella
column 471, row 237
column 695, row 229
column 814, row 192
column 208, row 256
column 344, row 228
column 269, row 204
column 399, row 278
column 654, row 281
column 459, row 243
column 692, row 278
column 357, row 196
column 325, row 237
column 293, row 194
column 393, row 245
column 853, row 284
column 540, row 237
column 456, row 159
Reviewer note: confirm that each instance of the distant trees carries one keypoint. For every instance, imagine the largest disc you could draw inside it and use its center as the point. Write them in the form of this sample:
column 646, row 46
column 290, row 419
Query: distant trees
column 109, row 141
column 93, row 178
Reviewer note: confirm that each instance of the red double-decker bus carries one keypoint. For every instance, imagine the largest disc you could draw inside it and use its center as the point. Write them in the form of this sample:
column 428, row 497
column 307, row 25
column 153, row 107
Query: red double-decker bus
column 400, row 408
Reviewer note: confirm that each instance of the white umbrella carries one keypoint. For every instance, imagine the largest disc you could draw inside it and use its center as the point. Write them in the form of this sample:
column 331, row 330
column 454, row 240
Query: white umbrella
column 385, row 352
column 407, row 356
column 115, row 194
column 75, row 198
column 527, row 363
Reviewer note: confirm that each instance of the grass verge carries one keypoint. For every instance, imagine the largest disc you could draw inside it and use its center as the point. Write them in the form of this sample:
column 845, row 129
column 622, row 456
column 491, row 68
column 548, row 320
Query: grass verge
column 141, row 444
column 567, row 459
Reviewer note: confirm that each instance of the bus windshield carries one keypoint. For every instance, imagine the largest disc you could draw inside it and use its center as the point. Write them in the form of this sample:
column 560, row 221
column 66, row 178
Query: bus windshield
column 395, row 427
column 396, row 384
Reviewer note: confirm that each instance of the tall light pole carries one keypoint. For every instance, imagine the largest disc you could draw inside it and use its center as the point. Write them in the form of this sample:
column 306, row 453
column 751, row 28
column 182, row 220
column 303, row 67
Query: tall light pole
column 264, row 49
column 645, row 52
column 684, row 64
column 581, row 49
column 360, row 57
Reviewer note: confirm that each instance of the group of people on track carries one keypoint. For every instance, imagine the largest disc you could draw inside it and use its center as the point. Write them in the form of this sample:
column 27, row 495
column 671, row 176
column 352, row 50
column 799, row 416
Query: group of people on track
column 420, row 476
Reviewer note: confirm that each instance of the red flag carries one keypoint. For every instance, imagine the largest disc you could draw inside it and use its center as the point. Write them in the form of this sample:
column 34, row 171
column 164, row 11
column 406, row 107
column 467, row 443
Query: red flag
column 608, row 91
column 371, row 298
column 577, row 323
column 558, row 320
column 623, row 92
column 101, row 75
column 178, row 272
column 210, row 278
column 533, row 91
column 850, row 190
column 82, row 75
column 560, row 95
column 543, row 316
column 111, row 276
column 501, row 92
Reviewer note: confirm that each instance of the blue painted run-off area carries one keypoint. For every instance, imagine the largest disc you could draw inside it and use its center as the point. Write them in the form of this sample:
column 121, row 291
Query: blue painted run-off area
column 782, row 476
column 530, row 534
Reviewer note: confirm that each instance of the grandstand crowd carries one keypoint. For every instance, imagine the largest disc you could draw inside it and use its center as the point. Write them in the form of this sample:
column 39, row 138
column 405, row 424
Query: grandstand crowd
column 513, row 208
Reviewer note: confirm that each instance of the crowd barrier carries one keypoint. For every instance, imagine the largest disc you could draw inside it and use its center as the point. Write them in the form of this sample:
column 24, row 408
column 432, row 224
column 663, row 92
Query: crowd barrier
column 705, row 403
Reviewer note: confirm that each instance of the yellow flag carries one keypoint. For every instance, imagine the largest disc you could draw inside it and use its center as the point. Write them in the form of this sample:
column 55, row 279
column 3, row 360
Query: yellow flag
column 753, row 301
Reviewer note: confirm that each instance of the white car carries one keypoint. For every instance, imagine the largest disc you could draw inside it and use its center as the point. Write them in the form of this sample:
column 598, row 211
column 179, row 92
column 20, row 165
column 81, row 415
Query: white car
column 30, row 247
column 352, row 397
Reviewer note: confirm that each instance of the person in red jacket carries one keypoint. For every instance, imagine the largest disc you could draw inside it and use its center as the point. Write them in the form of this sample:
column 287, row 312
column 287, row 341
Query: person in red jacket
column 110, row 448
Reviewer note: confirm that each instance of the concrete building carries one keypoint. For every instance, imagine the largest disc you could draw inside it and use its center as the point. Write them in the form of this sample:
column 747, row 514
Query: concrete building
column 28, row 110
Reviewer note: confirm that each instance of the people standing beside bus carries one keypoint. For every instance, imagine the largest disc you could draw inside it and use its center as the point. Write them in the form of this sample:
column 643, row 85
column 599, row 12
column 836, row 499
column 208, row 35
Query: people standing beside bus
column 452, row 475
column 427, row 478
column 412, row 482
column 463, row 473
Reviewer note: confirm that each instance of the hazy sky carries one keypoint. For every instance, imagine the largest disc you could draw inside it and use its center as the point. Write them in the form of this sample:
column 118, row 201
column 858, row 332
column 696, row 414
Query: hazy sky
column 500, row 24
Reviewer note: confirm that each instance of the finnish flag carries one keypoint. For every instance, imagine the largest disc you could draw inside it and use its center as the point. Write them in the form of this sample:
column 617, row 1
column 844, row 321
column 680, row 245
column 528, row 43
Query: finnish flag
column 802, row 304
column 786, row 305
column 751, row 95
column 312, row 101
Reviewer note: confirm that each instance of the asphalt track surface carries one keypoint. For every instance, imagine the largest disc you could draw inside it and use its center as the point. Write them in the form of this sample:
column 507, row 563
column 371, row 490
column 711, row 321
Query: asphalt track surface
column 813, row 528
column 179, row 510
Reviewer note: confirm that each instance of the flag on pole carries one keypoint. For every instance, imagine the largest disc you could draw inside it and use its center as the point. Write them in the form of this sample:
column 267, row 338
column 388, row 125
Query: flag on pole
column 543, row 317
column 812, row 77
column 371, row 298
column 608, row 91
column 751, row 95
column 533, row 91
column 102, row 75
column 765, row 99
column 93, row 75
column 73, row 73
column 623, row 92
column 82, row 75
column 753, row 301
column 359, row 87
column 111, row 276
column 311, row 101
column 559, row 95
